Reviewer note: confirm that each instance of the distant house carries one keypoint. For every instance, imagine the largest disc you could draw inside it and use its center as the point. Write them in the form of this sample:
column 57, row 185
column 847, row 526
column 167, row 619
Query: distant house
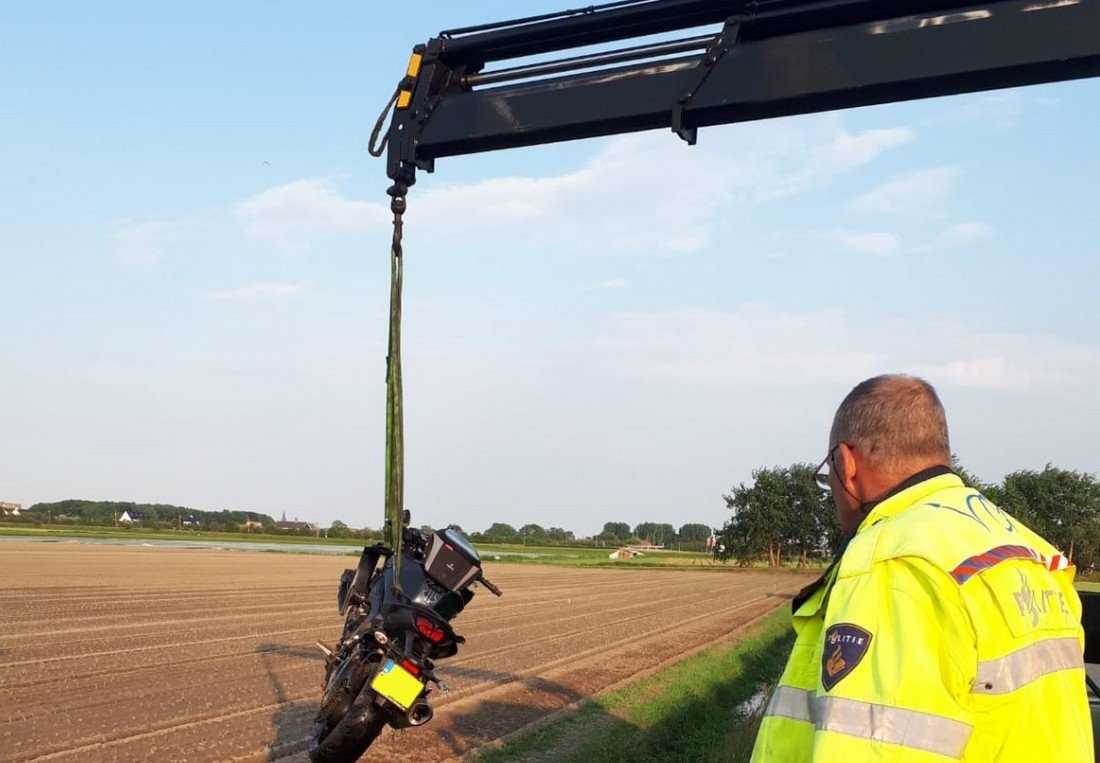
column 11, row 509
column 286, row 526
column 132, row 517
column 251, row 524
column 291, row 526
column 190, row 521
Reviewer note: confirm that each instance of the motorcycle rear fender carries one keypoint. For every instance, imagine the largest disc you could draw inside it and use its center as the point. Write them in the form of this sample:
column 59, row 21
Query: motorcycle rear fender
column 346, row 682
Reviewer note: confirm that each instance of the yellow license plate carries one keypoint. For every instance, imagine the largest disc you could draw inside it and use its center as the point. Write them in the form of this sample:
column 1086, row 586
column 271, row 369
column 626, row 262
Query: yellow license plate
column 397, row 685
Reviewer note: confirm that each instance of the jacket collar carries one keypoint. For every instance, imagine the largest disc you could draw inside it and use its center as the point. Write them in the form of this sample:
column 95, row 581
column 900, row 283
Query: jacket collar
column 908, row 492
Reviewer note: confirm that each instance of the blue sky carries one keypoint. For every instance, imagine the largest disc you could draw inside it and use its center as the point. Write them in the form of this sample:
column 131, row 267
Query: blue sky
column 195, row 271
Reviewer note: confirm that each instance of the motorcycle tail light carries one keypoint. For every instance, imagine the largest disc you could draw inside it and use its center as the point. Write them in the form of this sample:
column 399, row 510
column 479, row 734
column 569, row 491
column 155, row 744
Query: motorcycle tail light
column 410, row 666
column 430, row 630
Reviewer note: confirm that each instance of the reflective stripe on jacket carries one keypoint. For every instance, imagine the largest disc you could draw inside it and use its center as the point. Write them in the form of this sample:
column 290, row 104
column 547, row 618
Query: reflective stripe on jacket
column 947, row 631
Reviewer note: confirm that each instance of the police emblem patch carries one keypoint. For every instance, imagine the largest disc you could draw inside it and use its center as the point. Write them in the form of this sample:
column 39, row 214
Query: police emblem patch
column 845, row 645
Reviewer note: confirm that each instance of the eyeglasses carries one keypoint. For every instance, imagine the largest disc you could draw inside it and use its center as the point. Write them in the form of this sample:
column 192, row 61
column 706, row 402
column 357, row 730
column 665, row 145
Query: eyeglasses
column 821, row 476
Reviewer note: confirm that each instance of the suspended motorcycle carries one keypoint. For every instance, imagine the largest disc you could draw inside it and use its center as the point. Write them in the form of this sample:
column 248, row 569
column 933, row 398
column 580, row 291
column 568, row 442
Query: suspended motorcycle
column 398, row 609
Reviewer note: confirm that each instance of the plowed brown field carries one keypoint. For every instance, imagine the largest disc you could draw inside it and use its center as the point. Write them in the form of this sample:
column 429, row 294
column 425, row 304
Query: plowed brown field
column 145, row 654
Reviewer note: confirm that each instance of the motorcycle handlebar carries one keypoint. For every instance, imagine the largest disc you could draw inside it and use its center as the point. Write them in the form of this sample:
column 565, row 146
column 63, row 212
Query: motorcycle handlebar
column 492, row 588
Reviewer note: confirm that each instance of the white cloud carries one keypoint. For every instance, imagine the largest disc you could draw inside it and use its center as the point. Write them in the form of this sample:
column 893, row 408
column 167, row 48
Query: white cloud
column 885, row 244
column 755, row 347
column 759, row 347
column 961, row 235
column 822, row 162
column 140, row 243
column 292, row 214
column 263, row 289
column 623, row 200
column 992, row 372
column 880, row 243
column 641, row 192
column 911, row 193
column 650, row 192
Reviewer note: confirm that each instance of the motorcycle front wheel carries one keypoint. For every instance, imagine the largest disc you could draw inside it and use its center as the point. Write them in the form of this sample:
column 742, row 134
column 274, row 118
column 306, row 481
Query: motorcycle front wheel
column 349, row 739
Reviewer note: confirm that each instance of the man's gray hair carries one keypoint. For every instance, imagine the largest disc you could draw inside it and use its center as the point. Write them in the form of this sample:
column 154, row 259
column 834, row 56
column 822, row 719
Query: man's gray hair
column 897, row 421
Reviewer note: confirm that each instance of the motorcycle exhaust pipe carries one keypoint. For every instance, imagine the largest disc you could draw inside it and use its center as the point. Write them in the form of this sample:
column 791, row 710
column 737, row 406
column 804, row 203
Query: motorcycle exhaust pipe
column 420, row 713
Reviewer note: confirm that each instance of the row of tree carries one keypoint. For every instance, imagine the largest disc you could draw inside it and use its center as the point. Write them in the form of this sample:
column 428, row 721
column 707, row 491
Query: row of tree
column 154, row 515
column 688, row 537
column 783, row 516
column 529, row 534
column 167, row 516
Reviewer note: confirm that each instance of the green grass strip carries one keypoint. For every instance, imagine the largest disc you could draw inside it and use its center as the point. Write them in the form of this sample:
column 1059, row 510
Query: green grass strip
column 558, row 556
column 697, row 710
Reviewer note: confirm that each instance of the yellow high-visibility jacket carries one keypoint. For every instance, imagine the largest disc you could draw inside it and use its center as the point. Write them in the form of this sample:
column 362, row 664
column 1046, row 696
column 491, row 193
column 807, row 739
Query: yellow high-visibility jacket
column 947, row 631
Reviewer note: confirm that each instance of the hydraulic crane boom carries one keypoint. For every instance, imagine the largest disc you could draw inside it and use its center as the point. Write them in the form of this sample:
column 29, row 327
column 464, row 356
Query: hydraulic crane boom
column 765, row 58
column 635, row 65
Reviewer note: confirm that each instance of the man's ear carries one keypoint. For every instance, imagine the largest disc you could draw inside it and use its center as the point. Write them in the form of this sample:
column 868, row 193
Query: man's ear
column 846, row 460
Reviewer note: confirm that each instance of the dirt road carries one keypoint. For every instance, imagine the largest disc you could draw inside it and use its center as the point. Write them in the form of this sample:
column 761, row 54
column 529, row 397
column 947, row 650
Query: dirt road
column 124, row 653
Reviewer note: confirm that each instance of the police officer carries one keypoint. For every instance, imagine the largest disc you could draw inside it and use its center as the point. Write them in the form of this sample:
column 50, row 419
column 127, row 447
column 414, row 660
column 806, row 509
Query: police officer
column 945, row 630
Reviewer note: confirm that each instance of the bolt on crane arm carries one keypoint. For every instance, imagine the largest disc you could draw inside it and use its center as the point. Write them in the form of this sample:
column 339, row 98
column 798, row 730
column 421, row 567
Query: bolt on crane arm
column 762, row 59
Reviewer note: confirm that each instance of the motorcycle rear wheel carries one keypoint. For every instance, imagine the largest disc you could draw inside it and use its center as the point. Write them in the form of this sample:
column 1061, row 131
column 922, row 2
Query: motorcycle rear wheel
column 349, row 739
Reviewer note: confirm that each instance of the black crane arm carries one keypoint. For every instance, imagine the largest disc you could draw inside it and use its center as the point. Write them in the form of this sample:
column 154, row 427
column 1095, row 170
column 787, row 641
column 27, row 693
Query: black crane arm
column 765, row 58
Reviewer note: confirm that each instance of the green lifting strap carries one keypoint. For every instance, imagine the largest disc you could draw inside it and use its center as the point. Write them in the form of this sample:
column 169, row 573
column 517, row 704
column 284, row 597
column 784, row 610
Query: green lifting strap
column 395, row 440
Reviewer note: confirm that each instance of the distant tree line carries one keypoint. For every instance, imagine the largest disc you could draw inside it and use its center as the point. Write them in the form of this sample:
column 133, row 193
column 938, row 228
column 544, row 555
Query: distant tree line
column 530, row 534
column 161, row 516
column 156, row 515
column 340, row 530
column 690, row 537
column 783, row 517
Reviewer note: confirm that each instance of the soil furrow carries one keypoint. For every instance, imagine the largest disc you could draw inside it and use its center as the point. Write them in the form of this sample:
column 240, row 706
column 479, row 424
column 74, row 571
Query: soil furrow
column 167, row 654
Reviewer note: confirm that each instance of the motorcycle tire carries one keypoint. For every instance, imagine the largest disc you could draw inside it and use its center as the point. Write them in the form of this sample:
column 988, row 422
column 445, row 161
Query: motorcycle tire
column 349, row 739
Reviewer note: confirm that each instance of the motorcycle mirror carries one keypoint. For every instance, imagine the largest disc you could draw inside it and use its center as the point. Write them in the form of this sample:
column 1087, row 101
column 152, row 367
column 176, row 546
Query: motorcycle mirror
column 492, row 588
